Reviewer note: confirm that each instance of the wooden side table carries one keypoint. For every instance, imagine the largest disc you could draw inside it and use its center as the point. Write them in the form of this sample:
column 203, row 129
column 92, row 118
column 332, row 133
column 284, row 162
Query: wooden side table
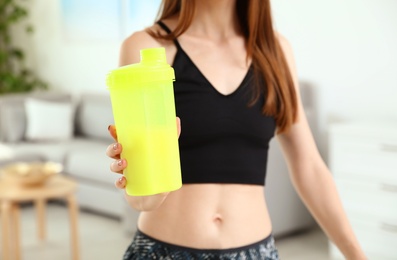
column 11, row 195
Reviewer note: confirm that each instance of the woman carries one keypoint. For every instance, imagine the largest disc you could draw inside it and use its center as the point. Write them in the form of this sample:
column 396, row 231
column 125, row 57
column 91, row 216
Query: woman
column 236, row 88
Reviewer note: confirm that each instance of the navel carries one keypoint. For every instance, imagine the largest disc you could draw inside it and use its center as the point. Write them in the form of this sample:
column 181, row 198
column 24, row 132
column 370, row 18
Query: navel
column 217, row 219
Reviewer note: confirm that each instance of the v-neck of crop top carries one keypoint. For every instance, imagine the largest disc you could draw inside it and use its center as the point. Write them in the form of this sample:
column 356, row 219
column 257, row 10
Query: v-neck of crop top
column 223, row 139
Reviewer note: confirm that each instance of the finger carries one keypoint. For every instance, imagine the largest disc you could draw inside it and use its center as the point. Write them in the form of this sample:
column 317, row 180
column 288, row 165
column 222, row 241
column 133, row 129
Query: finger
column 120, row 182
column 112, row 131
column 178, row 125
column 118, row 166
column 114, row 150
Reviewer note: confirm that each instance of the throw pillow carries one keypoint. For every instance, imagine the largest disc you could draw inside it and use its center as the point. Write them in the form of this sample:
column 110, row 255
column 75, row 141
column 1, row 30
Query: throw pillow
column 48, row 121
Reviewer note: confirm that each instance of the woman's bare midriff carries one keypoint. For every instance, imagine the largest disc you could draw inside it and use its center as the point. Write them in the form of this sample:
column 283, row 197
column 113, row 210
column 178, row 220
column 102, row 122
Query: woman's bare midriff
column 210, row 216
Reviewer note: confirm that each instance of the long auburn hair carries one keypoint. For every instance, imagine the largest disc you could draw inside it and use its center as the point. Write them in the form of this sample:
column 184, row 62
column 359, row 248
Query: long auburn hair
column 268, row 60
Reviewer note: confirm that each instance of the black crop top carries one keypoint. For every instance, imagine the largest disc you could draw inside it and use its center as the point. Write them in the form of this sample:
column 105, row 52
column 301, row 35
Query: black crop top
column 223, row 140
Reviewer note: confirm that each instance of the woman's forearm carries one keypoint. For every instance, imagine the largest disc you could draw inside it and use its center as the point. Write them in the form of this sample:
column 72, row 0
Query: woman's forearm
column 318, row 191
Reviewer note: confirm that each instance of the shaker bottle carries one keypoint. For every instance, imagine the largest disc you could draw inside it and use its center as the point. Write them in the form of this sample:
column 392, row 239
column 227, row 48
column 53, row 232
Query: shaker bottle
column 143, row 105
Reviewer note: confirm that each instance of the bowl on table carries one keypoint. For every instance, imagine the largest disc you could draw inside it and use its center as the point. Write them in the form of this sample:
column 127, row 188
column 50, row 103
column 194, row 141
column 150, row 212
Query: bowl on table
column 30, row 174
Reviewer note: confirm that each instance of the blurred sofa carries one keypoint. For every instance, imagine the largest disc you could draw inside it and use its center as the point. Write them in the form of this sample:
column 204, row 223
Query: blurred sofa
column 83, row 153
column 32, row 136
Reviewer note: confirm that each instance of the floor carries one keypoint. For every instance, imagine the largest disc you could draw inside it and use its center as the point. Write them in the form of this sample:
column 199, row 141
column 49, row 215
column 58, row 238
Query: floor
column 102, row 238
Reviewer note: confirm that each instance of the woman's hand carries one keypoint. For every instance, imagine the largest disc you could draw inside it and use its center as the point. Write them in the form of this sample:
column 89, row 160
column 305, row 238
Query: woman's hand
column 113, row 151
column 141, row 203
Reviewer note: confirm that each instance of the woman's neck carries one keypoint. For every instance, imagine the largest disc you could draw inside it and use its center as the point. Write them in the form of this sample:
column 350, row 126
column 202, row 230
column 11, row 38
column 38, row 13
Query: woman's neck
column 215, row 19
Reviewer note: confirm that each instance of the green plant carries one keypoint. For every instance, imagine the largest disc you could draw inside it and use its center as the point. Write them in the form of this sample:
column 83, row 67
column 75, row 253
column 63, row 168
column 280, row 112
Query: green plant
column 14, row 76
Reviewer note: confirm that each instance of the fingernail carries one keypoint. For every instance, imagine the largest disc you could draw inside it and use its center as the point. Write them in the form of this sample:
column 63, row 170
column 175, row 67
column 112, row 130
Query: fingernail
column 115, row 146
column 120, row 162
column 121, row 180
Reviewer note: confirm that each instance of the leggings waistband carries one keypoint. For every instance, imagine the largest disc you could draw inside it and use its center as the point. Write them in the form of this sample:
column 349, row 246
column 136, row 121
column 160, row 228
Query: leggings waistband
column 266, row 240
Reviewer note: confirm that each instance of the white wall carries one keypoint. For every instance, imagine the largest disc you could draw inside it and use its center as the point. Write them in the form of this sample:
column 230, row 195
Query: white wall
column 346, row 48
column 76, row 66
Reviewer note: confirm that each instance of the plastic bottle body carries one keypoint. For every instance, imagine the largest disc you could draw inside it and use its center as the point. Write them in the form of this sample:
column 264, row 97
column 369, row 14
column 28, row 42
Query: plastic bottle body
column 145, row 119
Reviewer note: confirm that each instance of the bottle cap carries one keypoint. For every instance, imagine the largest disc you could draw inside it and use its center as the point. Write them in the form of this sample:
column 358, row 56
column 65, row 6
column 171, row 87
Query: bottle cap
column 152, row 67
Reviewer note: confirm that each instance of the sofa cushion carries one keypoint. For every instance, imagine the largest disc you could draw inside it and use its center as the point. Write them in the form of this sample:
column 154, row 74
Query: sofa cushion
column 105, row 200
column 6, row 152
column 87, row 160
column 94, row 115
column 82, row 158
column 13, row 116
column 49, row 151
column 23, row 158
column 57, row 124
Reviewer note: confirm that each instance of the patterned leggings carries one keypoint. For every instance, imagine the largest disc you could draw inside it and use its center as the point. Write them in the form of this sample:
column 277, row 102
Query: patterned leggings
column 144, row 247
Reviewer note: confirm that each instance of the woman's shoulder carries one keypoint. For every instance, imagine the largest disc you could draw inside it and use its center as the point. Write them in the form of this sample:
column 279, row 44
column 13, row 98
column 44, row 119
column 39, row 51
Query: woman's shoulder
column 284, row 44
column 145, row 36
column 131, row 46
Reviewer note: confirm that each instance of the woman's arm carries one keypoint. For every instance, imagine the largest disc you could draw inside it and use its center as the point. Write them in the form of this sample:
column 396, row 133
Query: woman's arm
column 312, row 179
